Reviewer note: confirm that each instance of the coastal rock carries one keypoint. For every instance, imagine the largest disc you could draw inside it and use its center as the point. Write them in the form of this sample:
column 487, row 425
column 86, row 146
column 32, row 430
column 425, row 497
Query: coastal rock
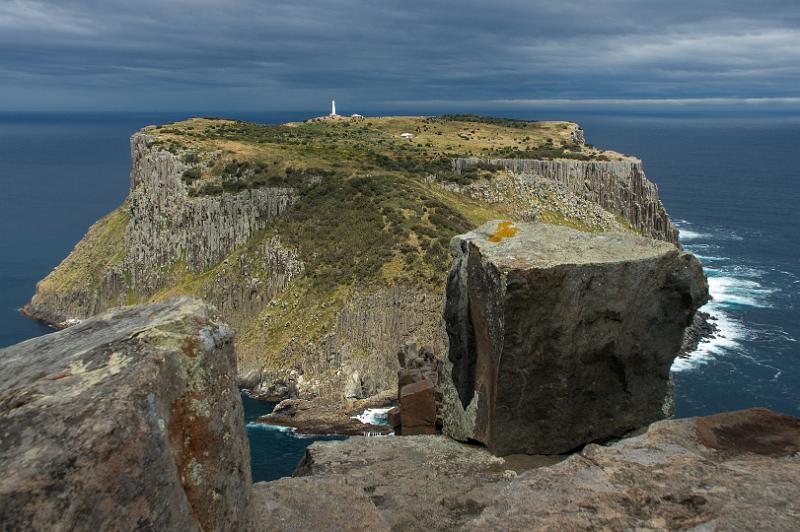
column 128, row 420
column 560, row 337
column 703, row 327
column 416, row 482
column 299, row 504
column 166, row 239
column 326, row 415
column 418, row 408
column 620, row 187
column 418, row 392
column 733, row 471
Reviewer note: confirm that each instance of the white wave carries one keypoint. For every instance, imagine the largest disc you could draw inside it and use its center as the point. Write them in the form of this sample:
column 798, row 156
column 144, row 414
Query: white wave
column 710, row 258
column 374, row 416
column 266, row 426
column 686, row 234
column 727, row 339
column 734, row 291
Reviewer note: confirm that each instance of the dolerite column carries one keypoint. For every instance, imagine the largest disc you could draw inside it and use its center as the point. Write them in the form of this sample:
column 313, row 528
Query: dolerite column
column 560, row 337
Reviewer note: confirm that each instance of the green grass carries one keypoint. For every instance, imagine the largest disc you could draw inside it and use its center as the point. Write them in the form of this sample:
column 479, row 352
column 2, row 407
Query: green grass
column 230, row 156
column 102, row 248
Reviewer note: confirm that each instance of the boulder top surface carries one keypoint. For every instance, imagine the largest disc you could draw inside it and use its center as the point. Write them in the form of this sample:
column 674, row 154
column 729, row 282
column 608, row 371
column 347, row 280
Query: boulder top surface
column 510, row 245
column 130, row 420
column 68, row 351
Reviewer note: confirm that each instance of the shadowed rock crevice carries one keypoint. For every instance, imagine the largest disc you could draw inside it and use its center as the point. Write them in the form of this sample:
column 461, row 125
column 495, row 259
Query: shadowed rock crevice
column 461, row 352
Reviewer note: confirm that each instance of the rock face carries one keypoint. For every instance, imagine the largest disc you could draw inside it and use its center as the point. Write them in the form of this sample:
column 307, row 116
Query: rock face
column 418, row 392
column 734, row 471
column 618, row 186
column 559, row 337
column 418, row 408
column 129, row 420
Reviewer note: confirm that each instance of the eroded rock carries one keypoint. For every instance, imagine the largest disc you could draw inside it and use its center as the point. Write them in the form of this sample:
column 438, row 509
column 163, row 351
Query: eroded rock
column 560, row 337
column 128, row 420
column 733, row 471
column 417, row 482
column 327, row 415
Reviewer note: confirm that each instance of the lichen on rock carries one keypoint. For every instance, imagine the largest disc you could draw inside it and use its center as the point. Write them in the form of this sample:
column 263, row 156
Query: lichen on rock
column 128, row 420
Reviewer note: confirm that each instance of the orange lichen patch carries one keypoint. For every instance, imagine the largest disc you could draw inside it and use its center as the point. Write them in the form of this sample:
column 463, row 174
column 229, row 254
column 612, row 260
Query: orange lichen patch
column 59, row 376
column 190, row 346
column 194, row 442
column 504, row 230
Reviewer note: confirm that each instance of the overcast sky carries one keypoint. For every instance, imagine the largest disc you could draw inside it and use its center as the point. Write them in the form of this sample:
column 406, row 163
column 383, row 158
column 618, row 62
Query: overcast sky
column 374, row 54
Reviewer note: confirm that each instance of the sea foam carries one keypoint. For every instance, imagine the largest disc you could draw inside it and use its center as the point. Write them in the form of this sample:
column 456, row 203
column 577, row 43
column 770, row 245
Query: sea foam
column 374, row 416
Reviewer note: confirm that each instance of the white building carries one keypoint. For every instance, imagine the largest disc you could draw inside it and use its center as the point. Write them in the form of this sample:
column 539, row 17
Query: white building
column 333, row 108
column 408, row 136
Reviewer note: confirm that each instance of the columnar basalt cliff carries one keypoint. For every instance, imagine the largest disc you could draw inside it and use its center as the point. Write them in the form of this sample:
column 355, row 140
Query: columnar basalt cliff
column 618, row 186
column 131, row 420
column 559, row 337
column 261, row 220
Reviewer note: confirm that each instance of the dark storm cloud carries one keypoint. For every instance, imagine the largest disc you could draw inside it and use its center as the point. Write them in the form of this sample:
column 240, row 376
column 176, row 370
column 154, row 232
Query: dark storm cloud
column 251, row 54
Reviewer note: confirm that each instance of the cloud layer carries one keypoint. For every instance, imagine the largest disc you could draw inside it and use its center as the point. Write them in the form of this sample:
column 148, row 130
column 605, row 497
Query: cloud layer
column 249, row 54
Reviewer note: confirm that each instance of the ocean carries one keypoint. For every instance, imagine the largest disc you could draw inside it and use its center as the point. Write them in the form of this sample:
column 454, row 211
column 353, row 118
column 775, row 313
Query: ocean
column 730, row 180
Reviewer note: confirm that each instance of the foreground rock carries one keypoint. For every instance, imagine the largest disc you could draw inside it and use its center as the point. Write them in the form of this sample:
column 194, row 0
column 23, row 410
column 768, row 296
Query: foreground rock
column 325, row 415
column 560, row 337
column 735, row 471
column 417, row 482
column 129, row 420
column 300, row 504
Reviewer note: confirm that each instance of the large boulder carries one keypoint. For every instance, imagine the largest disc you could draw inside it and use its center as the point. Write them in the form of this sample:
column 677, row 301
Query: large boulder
column 418, row 408
column 128, row 420
column 560, row 337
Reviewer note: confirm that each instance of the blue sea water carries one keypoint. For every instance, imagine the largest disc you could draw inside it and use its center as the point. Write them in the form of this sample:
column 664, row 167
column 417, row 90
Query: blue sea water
column 275, row 451
column 731, row 181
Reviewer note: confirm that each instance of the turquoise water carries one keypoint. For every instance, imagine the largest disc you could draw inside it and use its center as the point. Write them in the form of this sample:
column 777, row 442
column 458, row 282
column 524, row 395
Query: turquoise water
column 730, row 181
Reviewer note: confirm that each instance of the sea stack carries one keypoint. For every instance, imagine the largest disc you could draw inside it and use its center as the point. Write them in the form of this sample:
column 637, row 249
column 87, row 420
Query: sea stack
column 560, row 337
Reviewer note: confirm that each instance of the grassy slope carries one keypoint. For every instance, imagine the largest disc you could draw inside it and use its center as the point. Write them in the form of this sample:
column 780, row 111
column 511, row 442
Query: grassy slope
column 103, row 247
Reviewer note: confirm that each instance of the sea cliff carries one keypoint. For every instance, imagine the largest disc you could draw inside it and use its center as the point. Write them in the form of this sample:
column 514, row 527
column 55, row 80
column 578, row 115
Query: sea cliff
column 325, row 243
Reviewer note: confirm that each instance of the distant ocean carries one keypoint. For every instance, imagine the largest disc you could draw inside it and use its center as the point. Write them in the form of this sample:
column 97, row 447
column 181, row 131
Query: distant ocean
column 731, row 181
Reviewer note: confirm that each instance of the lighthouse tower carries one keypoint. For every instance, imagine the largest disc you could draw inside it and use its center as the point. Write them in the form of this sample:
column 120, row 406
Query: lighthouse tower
column 333, row 108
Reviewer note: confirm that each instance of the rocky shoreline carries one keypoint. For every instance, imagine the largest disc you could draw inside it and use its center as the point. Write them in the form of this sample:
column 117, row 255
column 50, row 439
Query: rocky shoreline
column 702, row 328
column 323, row 415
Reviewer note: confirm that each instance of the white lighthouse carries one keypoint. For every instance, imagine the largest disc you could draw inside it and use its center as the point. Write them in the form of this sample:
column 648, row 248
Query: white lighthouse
column 333, row 108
